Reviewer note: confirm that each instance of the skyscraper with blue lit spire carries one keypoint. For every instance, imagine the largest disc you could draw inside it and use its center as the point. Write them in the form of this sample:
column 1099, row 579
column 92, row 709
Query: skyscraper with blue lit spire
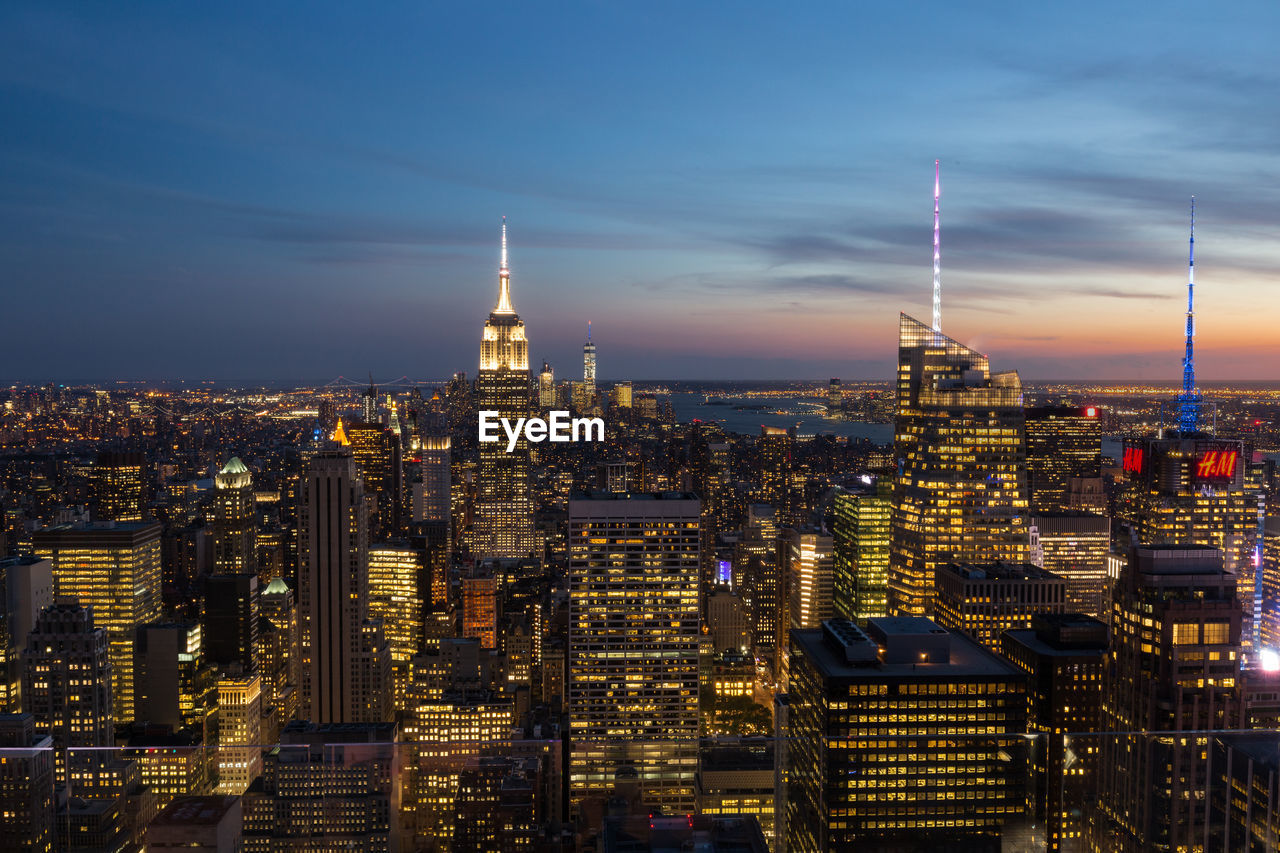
column 1189, row 402
column 1191, row 487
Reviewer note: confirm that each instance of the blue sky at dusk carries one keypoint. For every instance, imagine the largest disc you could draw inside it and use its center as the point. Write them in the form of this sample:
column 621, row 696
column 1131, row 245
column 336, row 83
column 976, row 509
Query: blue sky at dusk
column 725, row 190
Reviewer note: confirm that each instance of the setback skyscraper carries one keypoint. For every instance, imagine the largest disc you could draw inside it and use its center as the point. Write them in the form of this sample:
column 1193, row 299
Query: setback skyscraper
column 503, row 525
column 66, row 681
column 233, row 525
column 347, row 666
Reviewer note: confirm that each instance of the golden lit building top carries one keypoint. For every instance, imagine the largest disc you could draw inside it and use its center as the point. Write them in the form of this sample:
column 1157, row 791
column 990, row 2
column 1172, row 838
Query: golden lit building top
column 503, row 345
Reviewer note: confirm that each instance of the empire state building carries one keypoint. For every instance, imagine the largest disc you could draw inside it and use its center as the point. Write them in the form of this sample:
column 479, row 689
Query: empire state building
column 503, row 525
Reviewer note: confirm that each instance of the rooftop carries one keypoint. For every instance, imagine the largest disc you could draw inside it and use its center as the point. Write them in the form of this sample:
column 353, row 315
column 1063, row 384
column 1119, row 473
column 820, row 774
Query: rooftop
column 195, row 811
column 1001, row 571
column 599, row 495
column 965, row 658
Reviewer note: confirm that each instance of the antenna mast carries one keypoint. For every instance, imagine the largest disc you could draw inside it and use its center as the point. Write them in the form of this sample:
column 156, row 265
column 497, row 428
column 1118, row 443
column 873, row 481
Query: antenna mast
column 1189, row 402
column 937, row 257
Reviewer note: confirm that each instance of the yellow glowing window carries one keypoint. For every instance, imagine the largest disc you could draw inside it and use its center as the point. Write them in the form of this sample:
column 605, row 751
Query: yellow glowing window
column 1217, row 633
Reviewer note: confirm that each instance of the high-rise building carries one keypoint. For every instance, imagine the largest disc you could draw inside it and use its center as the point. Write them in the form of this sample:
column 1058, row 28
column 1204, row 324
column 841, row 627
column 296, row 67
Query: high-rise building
column 1172, row 668
column 758, row 570
column 727, row 618
column 503, row 525
column 809, row 572
column 433, row 539
column 229, row 616
column 1204, row 491
column 347, row 667
column 903, row 737
column 835, row 399
column 497, row 804
column 370, row 411
column 480, row 607
column 622, row 395
column 119, row 480
column 376, row 450
column 397, row 572
column 26, row 589
column 1062, row 655
column 589, row 363
column 777, row 480
column 26, row 786
column 1064, row 443
column 960, row 494
column 175, row 687
column 233, row 525
column 546, row 387
column 986, row 599
column 113, row 568
column 860, row 541
column 711, row 476
column 1269, row 632
column 339, row 783
column 633, row 645
column 434, row 504
column 1075, row 547
column 66, row 681
column 280, row 657
column 239, row 732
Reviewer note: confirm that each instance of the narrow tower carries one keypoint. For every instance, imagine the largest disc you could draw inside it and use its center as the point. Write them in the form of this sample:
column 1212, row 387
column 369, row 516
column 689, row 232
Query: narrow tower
column 589, row 363
column 1189, row 401
column 937, row 252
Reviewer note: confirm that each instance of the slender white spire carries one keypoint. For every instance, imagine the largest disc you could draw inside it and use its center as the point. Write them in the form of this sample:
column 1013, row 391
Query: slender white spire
column 503, row 267
column 937, row 253
column 504, row 278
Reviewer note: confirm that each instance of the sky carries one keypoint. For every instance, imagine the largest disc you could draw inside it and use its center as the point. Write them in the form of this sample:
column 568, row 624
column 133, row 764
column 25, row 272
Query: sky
column 285, row 192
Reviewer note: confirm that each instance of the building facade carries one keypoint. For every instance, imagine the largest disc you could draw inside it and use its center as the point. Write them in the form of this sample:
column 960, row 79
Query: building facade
column 347, row 666
column 960, row 494
column 860, row 540
column 503, row 524
column 113, row 568
column 905, row 736
column 633, row 645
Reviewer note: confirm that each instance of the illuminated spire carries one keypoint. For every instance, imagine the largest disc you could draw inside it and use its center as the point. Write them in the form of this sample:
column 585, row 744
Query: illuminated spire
column 937, row 253
column 1189, row 401
column 340, row 435
column 504, row 278
column 588, row 331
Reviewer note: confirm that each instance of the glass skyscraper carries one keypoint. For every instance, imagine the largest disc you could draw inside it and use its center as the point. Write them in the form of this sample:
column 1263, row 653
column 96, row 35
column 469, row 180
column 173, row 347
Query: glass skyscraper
column 961, row 492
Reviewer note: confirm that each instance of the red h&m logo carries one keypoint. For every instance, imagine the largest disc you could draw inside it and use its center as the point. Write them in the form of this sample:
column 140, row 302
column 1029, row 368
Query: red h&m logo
column 1132, row 460
column 1217, row 464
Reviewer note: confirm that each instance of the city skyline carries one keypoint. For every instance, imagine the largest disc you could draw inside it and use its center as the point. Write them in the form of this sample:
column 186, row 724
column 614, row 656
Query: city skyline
column 226, row 195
